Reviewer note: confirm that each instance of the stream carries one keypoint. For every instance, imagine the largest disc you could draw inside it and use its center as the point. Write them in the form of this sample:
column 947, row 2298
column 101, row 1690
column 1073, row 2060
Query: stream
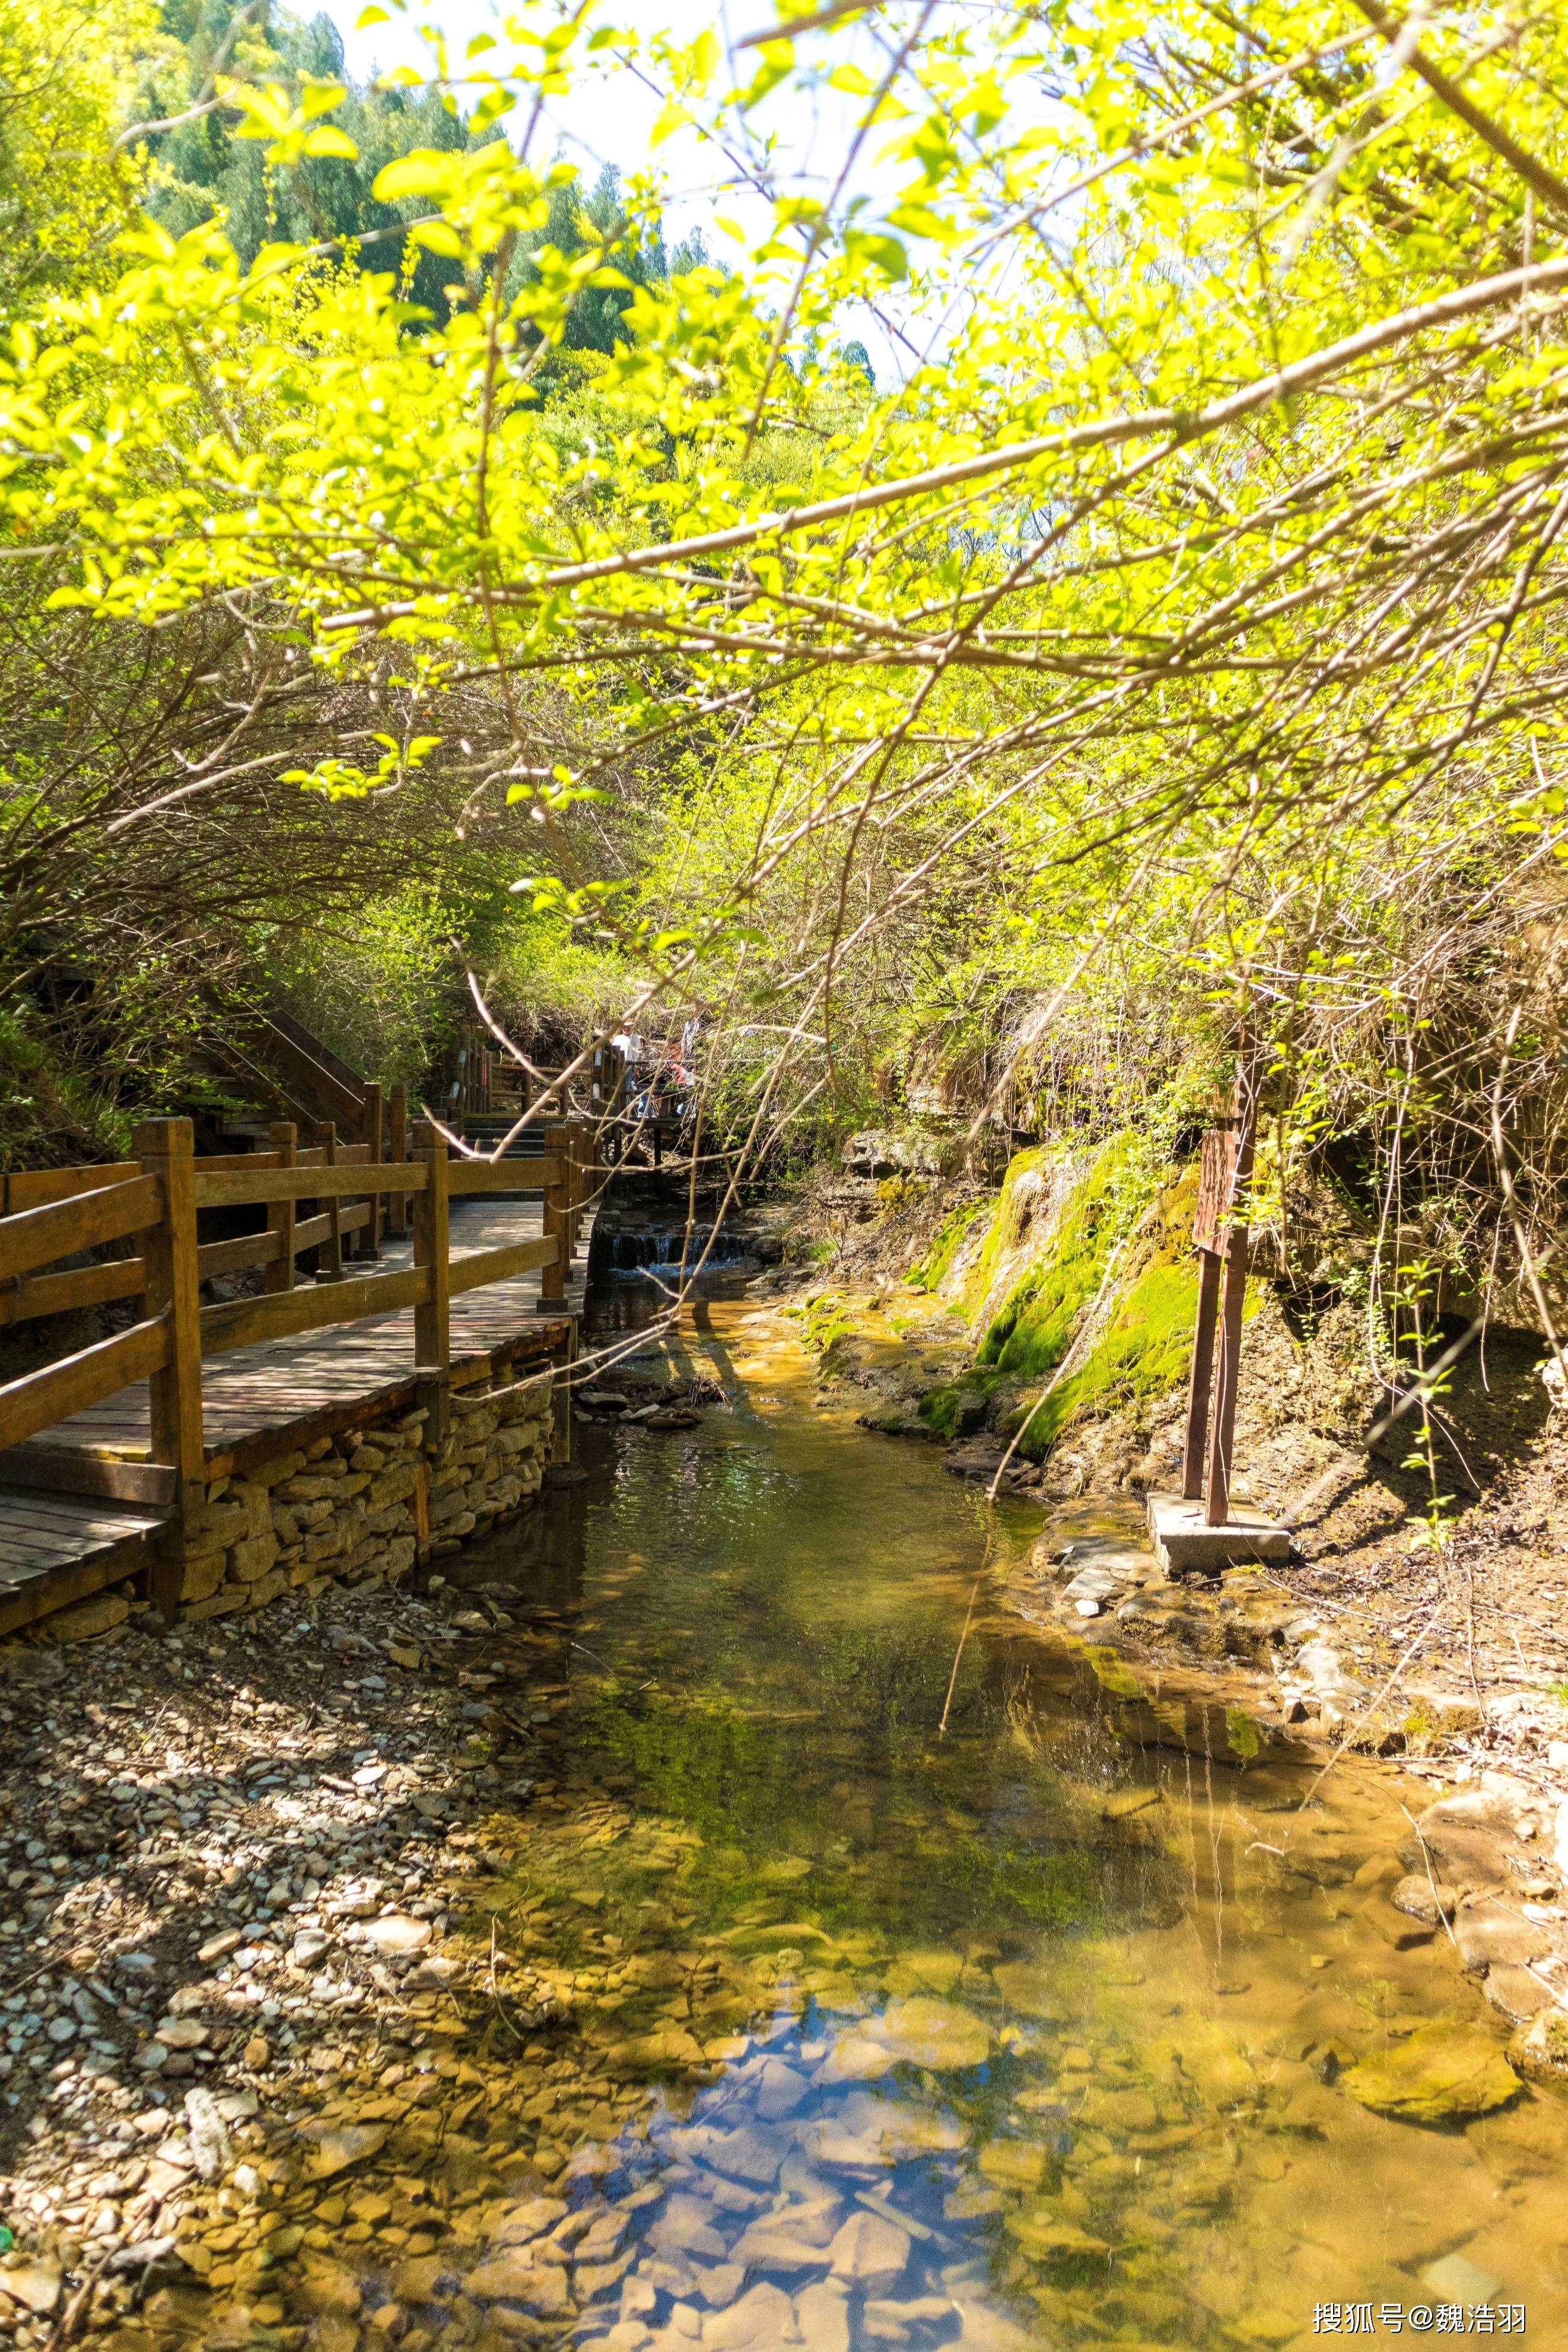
column 973, row 1993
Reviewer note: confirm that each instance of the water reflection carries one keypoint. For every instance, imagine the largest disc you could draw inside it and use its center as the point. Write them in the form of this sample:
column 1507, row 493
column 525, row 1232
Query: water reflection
column 939, row 1987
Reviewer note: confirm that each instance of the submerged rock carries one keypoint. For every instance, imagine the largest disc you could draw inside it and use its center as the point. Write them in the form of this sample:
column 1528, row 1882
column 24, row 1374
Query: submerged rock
column 1442, row 2073
column 1013, row 2163
column 1425, row 1899
column 1028, row 1990
column 869, row 2252
column 1518, row 1992
column 758, row 2323
column 537, row 2287
column 337, row 2145
column 33, row 2282
column 936, row 2034
column 1045, row 2233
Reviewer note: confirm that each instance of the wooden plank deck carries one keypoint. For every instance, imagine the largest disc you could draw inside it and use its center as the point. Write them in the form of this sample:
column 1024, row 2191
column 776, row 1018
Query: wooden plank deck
column 56, row 1548
column 256, row 1401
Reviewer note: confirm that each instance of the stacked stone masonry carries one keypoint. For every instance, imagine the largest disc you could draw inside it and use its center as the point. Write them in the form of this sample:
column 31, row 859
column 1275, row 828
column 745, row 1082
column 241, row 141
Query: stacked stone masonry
column 355, row 1508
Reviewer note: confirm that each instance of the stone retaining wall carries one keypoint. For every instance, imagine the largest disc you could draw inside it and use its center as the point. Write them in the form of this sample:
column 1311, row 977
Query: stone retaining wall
column 364, row 1506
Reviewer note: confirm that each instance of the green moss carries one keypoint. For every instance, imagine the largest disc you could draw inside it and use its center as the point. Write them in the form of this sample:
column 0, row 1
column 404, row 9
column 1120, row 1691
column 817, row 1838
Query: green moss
column 1241, row 1733
column 827, row 1328
column 983, row 1272
column 1144, row 1350
column 949, row 1412
column 932, row 1269
column 1034, row 1329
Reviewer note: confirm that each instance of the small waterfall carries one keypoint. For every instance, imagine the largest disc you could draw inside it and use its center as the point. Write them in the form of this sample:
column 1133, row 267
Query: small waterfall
column 659, row 1249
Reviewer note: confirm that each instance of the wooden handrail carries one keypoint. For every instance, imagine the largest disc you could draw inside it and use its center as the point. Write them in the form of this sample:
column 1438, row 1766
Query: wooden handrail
column 174, row 1385
column 466, row 1176
column 82, row 1285
column 248, row 1250
column 39, row 1398
column 159, row 1196
column 317, row 1183
column 557, row 1218
column 35, row 1188
column 284, row 1313
column 98, row 1286
column 475, row 1268
column 38, row 1236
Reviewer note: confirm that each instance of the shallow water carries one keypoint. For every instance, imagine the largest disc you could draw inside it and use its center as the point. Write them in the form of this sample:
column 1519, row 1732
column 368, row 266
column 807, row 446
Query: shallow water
column 914, row 1913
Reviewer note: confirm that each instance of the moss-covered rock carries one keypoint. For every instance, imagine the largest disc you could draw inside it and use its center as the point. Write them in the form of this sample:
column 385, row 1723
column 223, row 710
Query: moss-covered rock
column 1442, row 2073
column 932, row 1270
column 959, row 1408
column 1035, row 1327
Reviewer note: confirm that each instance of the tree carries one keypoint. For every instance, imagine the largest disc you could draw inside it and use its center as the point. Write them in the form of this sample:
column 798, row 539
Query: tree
column 201, row 171
column 63, row 194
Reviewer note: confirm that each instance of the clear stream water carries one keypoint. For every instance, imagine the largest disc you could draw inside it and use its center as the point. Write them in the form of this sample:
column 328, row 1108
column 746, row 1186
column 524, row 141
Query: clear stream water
column 1046, row 1981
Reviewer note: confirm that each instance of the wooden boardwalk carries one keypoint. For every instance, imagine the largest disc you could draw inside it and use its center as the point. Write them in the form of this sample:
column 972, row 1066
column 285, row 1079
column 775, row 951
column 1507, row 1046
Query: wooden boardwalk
column 258, row 1401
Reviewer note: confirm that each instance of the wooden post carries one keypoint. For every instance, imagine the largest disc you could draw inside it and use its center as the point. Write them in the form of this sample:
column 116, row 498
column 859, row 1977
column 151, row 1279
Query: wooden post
column 282, row 1139
column 1222, row 1444
column 1219, row 1457
column 1209, row 1263
column 370, row 1236
column 557, row 1220
column 329, row 1265
column 397, row 1209
column 433, row 1319
column 166, row 1150
column 577, row 1177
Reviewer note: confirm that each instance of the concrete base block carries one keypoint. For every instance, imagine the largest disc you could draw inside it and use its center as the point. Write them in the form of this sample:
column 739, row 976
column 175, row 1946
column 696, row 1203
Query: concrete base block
column 1185, row 1545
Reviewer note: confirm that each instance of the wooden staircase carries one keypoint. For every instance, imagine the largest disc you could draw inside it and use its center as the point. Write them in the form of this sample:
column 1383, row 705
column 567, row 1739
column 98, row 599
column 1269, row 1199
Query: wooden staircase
column 288, row 1074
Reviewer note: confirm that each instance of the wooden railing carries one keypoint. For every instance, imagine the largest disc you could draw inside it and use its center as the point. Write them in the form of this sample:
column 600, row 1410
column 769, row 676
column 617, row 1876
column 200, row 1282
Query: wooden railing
column 155, row 1200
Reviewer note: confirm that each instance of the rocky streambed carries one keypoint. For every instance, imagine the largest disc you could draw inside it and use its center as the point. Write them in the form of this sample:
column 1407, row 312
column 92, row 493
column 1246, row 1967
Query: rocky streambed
column 718, row 1919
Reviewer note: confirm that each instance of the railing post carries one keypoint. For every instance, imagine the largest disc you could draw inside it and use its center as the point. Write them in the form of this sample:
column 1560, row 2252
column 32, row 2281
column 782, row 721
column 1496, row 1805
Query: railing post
column 280, row 1215
column 579, row 1177
column 1201, row 1381
column 398, row 1208
column 1233, row 1296
column 556, row 1220
column 432, row 1318
column 166, row 1150
column 331, row 1258
column 371, row 1234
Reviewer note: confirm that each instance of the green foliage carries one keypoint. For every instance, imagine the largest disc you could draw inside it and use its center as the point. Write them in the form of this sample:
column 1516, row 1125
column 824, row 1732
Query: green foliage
column 208, row 169
column 1013, row 730
column 378, row 985
column 63, row 195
